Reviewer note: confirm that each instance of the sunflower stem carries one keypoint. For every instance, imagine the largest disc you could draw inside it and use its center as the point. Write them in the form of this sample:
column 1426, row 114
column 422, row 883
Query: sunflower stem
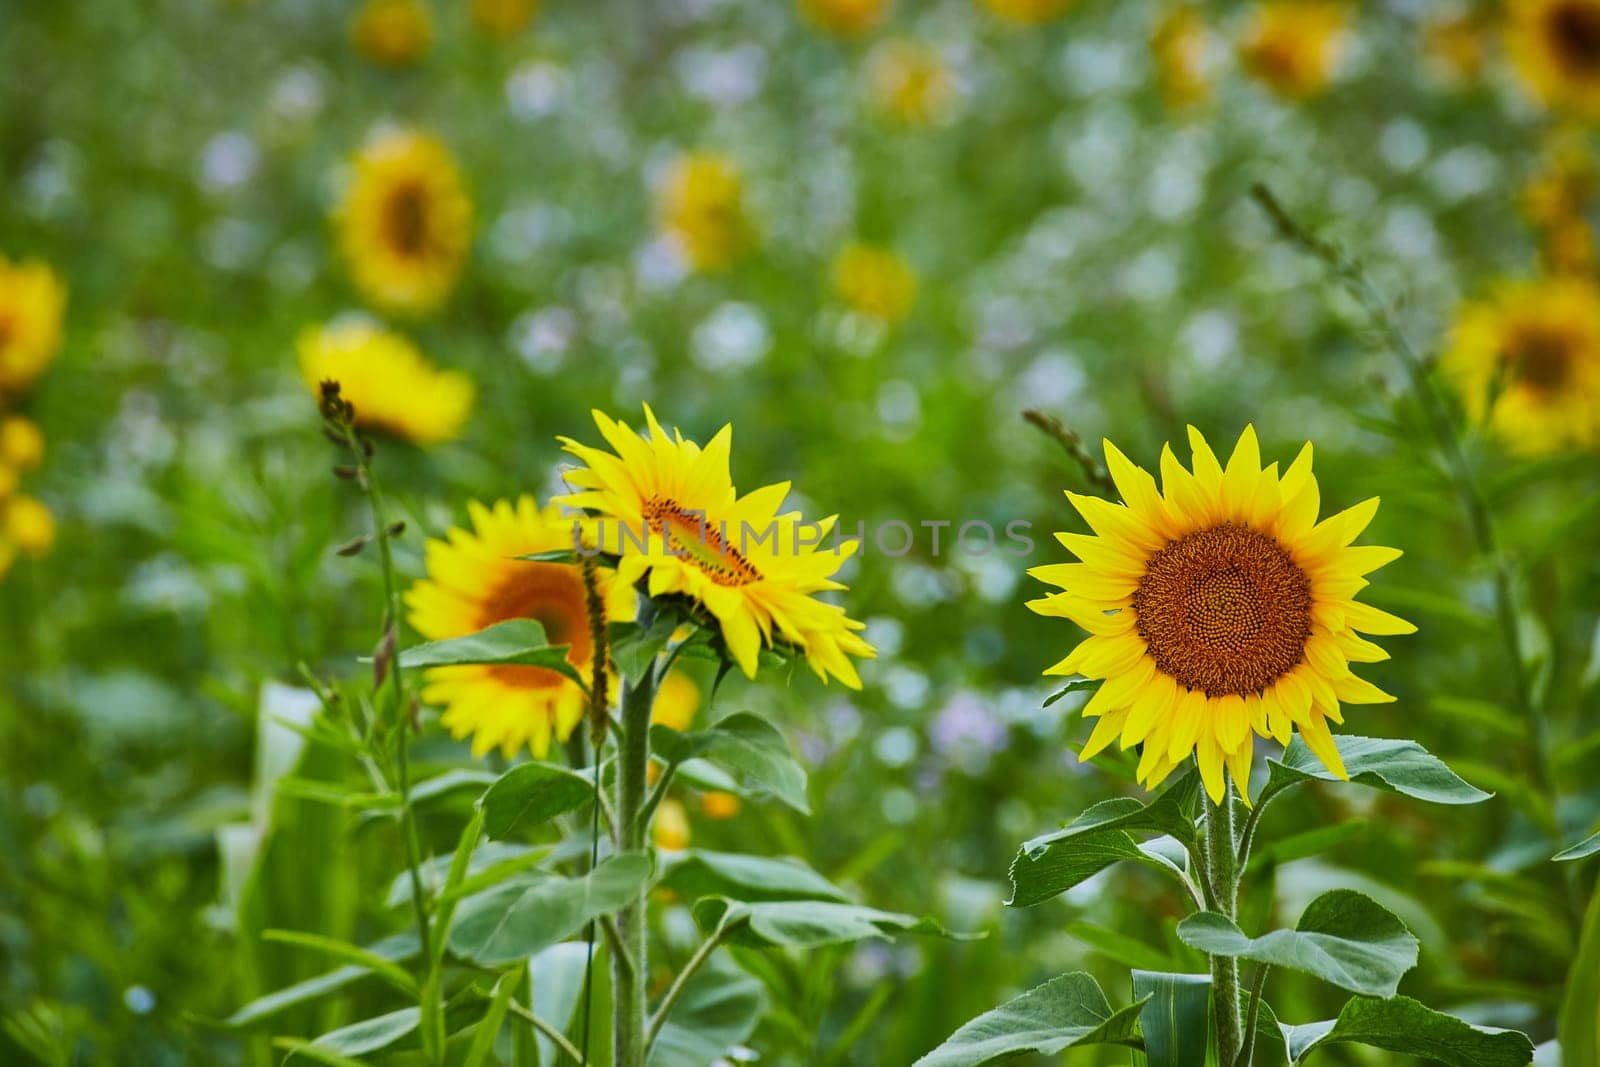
column 1223, row 875
column 630, row 1015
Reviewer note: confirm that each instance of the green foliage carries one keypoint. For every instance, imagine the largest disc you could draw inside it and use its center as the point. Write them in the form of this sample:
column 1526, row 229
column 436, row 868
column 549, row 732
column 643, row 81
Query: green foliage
column 515, row 642
column 1176, row 1020
column 1400, row 1024
column 532, row 793
column 749, row 747
column 1397, row 766
column 532, row 911
column 1069, row 1011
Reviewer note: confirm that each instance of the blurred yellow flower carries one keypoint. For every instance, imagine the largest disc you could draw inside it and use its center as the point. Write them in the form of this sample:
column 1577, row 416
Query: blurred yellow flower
column 1215, row 606
column 392, row 33
column 476, row 580
column 1294, row 45
column 910, row 83
column 719, row 805
column 1457, row 45
column 32, row 300
column 1556, row 47
column 1027, row 12
column 21, row 443
column 1179, row 45
column 393, row 388
column 874, row 281
column 1526, row 361
column 677, row 699
column 671, row 513
column 26, row 525
column 503, row 18
column 405, row 223
column 1557, row 201
column 701, row 208
column 670, row 830
column 846, row 18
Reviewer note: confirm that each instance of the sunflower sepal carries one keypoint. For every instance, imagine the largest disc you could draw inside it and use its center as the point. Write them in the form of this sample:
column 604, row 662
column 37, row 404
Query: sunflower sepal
column 514, row 642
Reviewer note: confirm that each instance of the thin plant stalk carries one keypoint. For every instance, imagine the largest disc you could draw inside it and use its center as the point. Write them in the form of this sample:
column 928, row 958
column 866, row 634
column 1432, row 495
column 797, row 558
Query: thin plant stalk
column 1222, row 874
column 630, row 965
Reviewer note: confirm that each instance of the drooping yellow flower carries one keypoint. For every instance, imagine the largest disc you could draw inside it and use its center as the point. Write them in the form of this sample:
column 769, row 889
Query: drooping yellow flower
column 405, row 222
column 1526, row 361
column 1179, row 45
column 1294, row 45
column 874, row 281
column 503, row 18
column 475, row 579
column 1027, row 12
column 394, row 389
column 701, row 208
column 677, row 699
column 21, row 443
column 911, row 83
column 32, row 300
column 1217, row 605
column 1555, row 44
column 669, row 510
column 392, row 33
column 846, row 18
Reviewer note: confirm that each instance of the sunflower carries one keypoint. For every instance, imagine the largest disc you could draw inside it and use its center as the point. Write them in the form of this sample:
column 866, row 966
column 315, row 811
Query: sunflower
column 26, row 528
column 1217, row 605
column 702, row 209
column 21, row 443
column 31, row 302
column 405, row 223
column 393, row 388
column 392, row 33
column 1557, row 201
column 475, row 579
column 1027, row 12
column 1556, row 47
column 846, row 18
column 1294, row 45
column 668, row 509
column 503, row 18
column 1179, row 45
column 874, row 281
column 1526, row 361
column 911, row 83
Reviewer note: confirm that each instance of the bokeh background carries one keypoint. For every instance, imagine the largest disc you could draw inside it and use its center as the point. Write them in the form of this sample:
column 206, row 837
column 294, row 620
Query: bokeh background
column 1065, row 197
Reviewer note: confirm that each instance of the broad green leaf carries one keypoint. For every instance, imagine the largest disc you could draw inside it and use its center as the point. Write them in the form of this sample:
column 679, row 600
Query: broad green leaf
column 700, row 873
column 748, row 746
column 1583, row 849
column 1115, row 945
column 1176, row 1020
column 442, row 785
column 518, row 918
column 557, row 974
column 397, row 948
column 1069, row 1011
column 1403, row 1025
column 719, row 1009
column 515, row 642
column 1397, row 766
column 492, row 861
column 1579, row 1023
column 530, row 793
column 1342, row 937
column 369, row 1035
column 805, row 923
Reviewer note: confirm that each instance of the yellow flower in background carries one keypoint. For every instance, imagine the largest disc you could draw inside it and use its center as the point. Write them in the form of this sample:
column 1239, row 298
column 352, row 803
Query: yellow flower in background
column 669, row 509
column 911, row 83
column 1457, row 45
column 1556, row 202
column 1179, row 45
column 1217, row 605
column 475, row 579
column 21, row 443
column 1294, row 45
column 405, row 223
column 392, row 33
column 677, row 699
column 26, row 528
column 503, row 18
column 702, row 209
column 32, row 300
column 846, row 18
column 670, row 830
column 1555, row 44
column 393, row 388
column 874, row 281
column 1027, row 12
column 1526, row 361
column 719, row 805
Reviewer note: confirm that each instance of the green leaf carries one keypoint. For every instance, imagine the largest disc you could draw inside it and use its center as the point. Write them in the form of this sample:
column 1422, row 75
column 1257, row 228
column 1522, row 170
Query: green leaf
column 700, row 873
column 1115, row 945
column 388, row 970
column 488, row 1028
column 1307, row 843
column 1579, row 1022
column 492, row 861
column 518, row 918
column 369, row 1035
column 1403, row 1025
column 805, row 923
column 442, row 785
column 1177, row 1011
column 1342, row 937
column 296, row 1046
column 1074, row 686
column 532, row 793
column 515, row 642
column 719, row 1009
column 748, row 746
column 1069, row 1011
column 397, row 948
column 1583, row 849
column 1053, row 863
column 1396, row 766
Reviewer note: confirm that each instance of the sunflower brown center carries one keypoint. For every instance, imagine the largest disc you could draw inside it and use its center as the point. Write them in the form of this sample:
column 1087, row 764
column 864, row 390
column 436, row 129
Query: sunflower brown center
column 1224, row 610
column 690, row 535
column 1540, row 359
column 406, row 219
column 552, row 594
column 1574, row 30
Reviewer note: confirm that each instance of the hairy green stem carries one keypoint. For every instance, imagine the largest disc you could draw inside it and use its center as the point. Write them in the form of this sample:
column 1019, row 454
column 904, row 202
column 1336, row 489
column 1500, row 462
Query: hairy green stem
column 629, row 983
column 1223, row 874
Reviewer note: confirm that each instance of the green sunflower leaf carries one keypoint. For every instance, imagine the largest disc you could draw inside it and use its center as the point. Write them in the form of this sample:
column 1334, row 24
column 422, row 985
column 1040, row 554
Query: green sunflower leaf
column 719, row 1009
column 531, row 793
column 1177, row 1011
column 398, row 948
column 369, row 1035
column 700, row 873
column 1579, row 1024
column 806, row 923
column 1342, row 937
column 1397, row 766
column 513, row 643
column 746, row 745
column 1582, row 850
column 1069, row 1011
column 1403, row 1025
column 515, row 919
